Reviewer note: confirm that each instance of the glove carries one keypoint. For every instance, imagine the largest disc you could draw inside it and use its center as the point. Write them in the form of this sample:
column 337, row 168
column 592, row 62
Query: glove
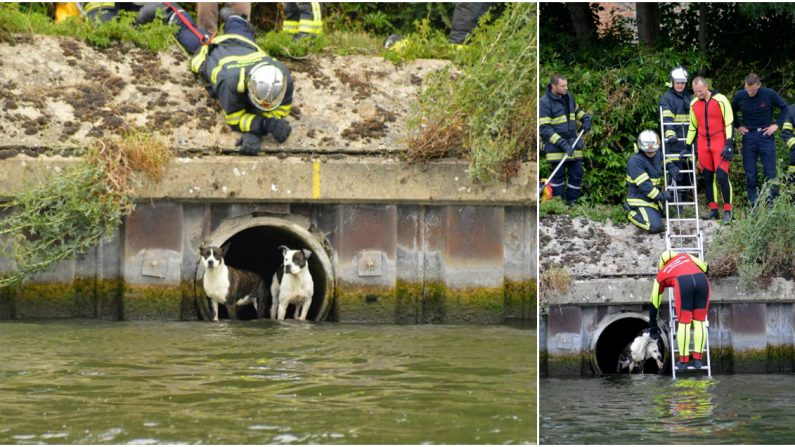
column 249, row 144
column 147, row 13
column 672, row 140
column 586, row 123
column 566, row 147
column 665, row 196
column 726, row 154
column 683, row 155
column 279, row 128
column 652, row 317
column 580, row 144
column 674, row 171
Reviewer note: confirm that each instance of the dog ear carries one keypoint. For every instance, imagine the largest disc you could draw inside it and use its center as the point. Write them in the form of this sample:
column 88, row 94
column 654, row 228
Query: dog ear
column 307, row 253
column 284, row 249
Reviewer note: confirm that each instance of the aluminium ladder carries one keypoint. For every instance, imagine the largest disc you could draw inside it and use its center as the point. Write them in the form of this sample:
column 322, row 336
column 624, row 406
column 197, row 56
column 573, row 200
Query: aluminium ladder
column 682, row 235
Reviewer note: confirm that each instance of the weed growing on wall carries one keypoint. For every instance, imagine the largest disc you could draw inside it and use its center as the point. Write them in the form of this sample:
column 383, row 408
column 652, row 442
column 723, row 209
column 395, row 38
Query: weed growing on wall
column 72, row 211
column 485, row 104
column 758, row 246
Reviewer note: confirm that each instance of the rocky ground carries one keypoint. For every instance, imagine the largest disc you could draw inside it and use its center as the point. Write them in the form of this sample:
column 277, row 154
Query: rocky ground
column 57, row 92
column 593, row 249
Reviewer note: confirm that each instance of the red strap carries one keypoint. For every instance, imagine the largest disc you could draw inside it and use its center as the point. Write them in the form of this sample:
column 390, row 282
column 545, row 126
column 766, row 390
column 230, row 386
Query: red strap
column 203, row 38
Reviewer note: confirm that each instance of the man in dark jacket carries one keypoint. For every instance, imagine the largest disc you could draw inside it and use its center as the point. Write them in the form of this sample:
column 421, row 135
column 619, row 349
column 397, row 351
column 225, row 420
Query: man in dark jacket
column 254, row 90
column 788, row 135
column 558, row 115
column 645, row 197
column 675, row 108
column 753, row 117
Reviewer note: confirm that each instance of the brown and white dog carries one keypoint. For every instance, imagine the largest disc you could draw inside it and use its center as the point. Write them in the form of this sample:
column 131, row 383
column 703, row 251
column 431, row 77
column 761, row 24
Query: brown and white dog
column 292, row 284
column 230, row 286
column 642, row 348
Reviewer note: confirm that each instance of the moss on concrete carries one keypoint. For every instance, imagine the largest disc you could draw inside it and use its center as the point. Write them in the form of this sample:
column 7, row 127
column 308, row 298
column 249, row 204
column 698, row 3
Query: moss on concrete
column 408, row 302
column 566, row 365
column 85, row 298
column 520, row 299
column 152, row 302
column 44, row 300
column 109, row 298
column 433, row 303
column 475, row 305
column 371, row 304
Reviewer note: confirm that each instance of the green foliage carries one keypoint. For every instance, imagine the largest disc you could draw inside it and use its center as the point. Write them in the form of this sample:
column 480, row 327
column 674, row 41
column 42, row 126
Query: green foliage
column 425, row 43
column 70, row 212
column 596, row 213
column 387, row 18
column 153, row 36
column 281, row 44
column 59, row 219
column 488, row 99
column 758, row 245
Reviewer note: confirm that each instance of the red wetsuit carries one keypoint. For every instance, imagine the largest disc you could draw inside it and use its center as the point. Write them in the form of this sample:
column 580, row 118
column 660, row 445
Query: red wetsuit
column 691, row 287
column 712, row 121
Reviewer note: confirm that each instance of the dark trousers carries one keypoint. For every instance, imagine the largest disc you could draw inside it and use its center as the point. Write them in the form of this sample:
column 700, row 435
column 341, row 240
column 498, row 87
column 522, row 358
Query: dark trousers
column 568, row 179
column 465, row 19
column 757, row 146
column 647, row 218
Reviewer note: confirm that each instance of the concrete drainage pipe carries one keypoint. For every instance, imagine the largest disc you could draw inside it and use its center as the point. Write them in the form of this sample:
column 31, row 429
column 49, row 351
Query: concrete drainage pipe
column 612, row 335
column 253, row 245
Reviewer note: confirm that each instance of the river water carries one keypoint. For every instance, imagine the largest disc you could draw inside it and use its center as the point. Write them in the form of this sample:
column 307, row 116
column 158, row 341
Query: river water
column 652, row 409
column 265, row 382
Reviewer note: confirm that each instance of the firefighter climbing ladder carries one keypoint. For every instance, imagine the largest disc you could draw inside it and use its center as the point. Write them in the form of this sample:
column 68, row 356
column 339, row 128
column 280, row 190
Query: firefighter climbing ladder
column 682, row 234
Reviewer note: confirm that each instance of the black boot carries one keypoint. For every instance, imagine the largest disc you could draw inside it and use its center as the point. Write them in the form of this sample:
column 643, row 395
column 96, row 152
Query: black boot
column 713, row 214
column 727, row 217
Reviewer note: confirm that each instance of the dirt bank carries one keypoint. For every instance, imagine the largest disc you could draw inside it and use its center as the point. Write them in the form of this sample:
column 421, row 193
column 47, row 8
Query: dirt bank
column 57, row 92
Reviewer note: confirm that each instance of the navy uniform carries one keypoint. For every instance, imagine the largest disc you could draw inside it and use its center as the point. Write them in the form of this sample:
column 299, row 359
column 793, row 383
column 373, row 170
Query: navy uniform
column 756, row 114
column 788, row 135
column 557, row 121
column 303, row 19
column 225, row 63
column 644, row 189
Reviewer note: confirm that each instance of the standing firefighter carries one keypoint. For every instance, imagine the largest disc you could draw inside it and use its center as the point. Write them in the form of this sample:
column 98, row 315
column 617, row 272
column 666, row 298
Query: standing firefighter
column 675, row 105
column 788, row 135
column 645, row 199
column 711, row 119
column 303, row 20
column 687, row 275
column 254, row 90
column 753, row 107
column 558, row 115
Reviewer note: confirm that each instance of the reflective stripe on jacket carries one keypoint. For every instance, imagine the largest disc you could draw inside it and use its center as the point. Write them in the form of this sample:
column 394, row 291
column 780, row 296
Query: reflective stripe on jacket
column 557, row 119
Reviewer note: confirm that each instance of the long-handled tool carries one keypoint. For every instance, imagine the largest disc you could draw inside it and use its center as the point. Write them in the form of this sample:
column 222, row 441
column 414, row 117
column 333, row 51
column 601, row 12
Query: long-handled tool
column 560, row 165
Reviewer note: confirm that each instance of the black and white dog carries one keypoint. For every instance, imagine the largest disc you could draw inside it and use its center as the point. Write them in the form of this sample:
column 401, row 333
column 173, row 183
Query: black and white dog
column 292, row 284
column 230, row 286
column 642, row 348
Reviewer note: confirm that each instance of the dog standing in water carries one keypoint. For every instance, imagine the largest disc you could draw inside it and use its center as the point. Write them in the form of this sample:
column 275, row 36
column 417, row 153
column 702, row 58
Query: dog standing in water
column 642, row 348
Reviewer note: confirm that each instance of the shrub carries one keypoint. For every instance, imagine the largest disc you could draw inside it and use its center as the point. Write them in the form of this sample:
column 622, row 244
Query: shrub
column 485, row 105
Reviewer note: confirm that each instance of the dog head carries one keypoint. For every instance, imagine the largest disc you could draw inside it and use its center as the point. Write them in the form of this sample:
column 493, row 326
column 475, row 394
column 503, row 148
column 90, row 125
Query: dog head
column 624, row 362
column 294, row 260
column 212, row 257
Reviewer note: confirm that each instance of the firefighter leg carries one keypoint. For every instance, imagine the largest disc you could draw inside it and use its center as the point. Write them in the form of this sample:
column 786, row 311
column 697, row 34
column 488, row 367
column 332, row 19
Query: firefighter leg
column 767, row 152
column 311, row 22
column 101, row 11
column 700, row 306
column 465, row 19
column 646, row 218
column 685, row 315
column 722, row 177
column 791, row 171
column 558, row 181
column 292, row 15
column 575, row 181
column 240, row 26
column 751, row 142
column 207, row 16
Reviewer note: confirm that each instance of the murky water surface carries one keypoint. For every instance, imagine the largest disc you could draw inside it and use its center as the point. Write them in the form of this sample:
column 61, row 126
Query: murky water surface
column 728, row 409
column 265, row 382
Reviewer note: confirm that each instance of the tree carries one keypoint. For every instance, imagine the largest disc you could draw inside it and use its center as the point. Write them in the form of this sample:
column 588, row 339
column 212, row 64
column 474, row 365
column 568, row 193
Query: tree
column 583, row 20
column 648, row 22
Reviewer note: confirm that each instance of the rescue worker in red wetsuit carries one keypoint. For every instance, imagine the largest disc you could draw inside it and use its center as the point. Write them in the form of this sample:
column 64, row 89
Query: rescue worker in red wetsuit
column 711, row 117
column 687, row 275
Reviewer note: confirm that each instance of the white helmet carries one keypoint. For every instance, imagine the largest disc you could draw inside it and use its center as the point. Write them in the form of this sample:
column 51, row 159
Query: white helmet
column 267, row 86
column 648, row 141
column 679, row 74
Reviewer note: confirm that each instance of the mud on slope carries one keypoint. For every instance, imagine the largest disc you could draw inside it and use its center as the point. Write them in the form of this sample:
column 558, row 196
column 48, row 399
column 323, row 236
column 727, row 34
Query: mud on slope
column 593, row 249
column 57, row 92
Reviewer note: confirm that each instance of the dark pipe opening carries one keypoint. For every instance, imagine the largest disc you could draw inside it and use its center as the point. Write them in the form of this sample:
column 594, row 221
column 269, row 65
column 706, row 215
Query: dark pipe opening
column 256, row 249
column 614, row 338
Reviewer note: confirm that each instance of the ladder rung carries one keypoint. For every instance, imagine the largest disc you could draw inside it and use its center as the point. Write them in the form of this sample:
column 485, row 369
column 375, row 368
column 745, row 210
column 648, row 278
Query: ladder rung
column 679, row 203
column 683, row 235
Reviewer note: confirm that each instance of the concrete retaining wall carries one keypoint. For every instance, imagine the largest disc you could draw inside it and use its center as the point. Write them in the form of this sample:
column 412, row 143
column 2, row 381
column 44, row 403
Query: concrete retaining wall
column 405, row 243
column 750, row 331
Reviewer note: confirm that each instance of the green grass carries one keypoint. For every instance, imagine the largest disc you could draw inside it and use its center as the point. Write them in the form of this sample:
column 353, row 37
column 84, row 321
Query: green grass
column 596, row 213
column 154, row 36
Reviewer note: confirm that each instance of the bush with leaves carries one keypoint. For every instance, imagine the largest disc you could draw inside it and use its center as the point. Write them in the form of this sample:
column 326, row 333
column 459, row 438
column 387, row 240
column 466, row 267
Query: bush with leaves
column 70, row 212
column 485, row 104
